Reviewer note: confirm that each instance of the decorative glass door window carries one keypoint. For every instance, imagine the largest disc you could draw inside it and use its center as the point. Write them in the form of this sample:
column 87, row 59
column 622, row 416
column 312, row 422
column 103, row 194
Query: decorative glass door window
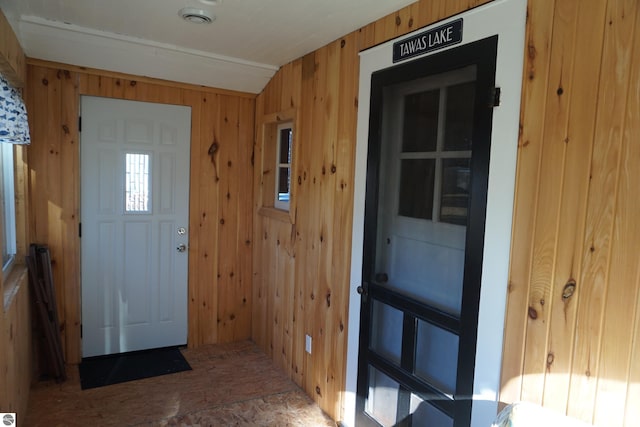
column 283, row 166
column 137, row 183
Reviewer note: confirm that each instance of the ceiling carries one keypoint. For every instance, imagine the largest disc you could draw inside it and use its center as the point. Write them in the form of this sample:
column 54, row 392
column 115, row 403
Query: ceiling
column 240, row 50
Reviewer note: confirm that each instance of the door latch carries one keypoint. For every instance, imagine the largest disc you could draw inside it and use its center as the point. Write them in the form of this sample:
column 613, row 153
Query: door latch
column 363, row 290
column 494, row 97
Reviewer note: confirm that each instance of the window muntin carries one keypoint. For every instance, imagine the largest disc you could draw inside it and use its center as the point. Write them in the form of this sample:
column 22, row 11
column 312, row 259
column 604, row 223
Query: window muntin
column 283, row 165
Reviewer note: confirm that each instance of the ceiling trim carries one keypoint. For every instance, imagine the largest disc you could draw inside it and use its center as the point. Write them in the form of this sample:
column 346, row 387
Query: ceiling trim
column 72, row 44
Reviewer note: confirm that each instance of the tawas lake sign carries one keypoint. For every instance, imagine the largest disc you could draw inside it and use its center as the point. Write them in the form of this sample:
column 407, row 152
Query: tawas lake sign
column 428, row 41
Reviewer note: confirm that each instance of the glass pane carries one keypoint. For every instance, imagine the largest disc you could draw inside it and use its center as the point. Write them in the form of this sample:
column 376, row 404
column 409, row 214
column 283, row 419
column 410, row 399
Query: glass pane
column 7, row 213
column 416, row 188
column 428, row 271
column 285, row 146
column 437, row 356
column 386, row 331
column 382, row 402
column 426, row 415
column 283, row 184
column 420, row 131
column 456, row 178
column 459, row 119
column 137, row 183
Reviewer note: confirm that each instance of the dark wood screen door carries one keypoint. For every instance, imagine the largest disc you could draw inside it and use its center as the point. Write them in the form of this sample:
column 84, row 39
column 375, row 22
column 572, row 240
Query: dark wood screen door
column 427, row 174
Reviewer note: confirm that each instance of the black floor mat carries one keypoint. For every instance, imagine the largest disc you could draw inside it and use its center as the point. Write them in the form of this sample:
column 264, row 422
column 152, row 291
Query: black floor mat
column 118, row 368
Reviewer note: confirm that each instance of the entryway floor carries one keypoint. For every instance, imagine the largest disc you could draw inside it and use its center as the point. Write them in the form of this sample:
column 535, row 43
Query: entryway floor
column 230, row 385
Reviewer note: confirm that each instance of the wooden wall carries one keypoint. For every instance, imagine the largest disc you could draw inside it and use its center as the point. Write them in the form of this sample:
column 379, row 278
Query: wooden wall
column 301, row 270
column 220, row 237
column 12, row 60
column 575, row 225
column 15, row 347
column 15, row 317
column 572, row 338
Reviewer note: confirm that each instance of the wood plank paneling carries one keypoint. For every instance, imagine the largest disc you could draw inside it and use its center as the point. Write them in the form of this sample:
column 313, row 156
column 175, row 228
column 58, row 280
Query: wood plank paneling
column 591, row 360
column 15, row 316
column 344, row 158
column 575, row 238
column 227, row 223
column 545, row 242
column 573, row 219
column 302, row 287
column 193, row 98
column 15, row 351
column 244, row 199
column 535, row 73
column 259, row 300
column 630, row 163
column 221, row 148
column 234, row 309
column 208, row 193
column 12, row 59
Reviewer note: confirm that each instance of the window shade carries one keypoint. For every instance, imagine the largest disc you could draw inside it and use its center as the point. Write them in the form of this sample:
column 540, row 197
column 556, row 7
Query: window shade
column 14, row 127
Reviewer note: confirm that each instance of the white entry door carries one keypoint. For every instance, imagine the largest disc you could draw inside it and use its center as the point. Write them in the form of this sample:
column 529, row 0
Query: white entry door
column 134, row 236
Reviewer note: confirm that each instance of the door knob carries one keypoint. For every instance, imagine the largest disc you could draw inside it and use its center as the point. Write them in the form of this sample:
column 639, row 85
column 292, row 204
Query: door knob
column 181, row 248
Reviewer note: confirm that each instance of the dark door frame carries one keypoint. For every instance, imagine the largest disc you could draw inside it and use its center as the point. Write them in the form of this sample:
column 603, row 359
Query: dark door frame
column 483, row 54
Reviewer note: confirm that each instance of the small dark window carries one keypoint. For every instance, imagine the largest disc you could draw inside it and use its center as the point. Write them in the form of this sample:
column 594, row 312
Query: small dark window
column 283, row 166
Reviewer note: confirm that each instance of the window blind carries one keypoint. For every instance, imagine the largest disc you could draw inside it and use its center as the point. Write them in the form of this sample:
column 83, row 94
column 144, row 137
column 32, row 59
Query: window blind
column 14, row 126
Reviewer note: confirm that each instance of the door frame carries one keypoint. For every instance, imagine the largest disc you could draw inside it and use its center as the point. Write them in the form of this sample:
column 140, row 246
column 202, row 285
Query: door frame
column 507, row 20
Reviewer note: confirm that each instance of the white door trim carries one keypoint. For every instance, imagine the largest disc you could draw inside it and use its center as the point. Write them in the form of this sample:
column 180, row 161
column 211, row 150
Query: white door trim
column 507, row 19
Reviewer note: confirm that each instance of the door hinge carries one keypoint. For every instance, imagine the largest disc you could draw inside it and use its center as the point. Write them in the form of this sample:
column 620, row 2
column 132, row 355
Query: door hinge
column 494, row 99
column 79, row 229
column 79, row 123
column 80, row 330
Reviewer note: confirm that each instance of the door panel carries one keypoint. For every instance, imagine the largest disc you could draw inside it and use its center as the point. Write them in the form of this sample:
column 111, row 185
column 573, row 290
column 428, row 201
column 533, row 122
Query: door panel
column 430, row 129
column 134, row 190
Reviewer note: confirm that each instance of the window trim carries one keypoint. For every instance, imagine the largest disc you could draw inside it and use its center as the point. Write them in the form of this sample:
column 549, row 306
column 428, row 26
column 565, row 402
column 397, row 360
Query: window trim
column 13, row 276
column 266, row 190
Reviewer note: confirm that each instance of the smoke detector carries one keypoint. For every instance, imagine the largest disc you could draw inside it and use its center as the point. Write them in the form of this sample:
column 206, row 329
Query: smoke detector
column 197, row 16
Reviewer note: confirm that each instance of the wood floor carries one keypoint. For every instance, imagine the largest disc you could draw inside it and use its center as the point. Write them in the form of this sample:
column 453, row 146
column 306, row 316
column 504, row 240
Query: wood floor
column 230, row 385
